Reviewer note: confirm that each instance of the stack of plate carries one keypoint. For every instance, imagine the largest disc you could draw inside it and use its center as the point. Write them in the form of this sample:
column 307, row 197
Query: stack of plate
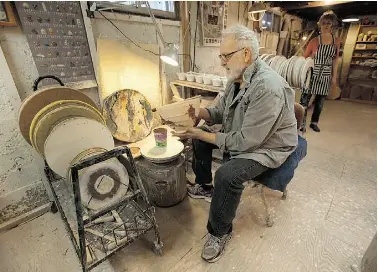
column 60, row 123
column 296, row 70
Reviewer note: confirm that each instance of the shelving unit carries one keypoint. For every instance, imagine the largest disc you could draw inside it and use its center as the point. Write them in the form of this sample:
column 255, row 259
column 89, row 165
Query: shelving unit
column 361, row 87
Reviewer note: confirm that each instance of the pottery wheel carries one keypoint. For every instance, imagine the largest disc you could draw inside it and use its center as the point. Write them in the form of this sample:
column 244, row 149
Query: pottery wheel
column 103, row 184
column 128, row 115
column 162, row 154
column 40, row 99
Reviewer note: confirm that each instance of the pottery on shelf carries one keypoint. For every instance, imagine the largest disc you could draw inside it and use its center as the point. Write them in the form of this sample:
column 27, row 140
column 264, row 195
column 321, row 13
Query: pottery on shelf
column 181, row 76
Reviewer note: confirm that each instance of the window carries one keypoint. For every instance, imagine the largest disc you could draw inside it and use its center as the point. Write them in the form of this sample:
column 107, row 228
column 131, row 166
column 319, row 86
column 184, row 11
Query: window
column 161, row 9
column 271, row 22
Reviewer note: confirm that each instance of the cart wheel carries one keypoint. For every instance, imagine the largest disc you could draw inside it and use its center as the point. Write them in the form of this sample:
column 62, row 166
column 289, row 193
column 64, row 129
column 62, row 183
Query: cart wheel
column 158, row 248
column 54, row 208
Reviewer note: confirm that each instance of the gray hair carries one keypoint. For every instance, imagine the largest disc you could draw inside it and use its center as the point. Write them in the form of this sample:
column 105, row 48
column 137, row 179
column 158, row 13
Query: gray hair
column 245, row 37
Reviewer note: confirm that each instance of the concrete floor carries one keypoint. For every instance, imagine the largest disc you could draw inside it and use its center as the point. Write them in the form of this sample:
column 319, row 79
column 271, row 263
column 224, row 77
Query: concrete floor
column 326, row 223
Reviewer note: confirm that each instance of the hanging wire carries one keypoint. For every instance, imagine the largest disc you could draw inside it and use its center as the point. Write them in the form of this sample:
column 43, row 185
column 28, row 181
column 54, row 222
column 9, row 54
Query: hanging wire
column 126, row 36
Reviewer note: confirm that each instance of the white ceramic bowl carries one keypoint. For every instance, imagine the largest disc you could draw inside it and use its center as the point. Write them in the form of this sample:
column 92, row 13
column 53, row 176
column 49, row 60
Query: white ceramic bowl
column 199, row 78
column 208, row 80
column 181, row 76
column 190, row 77
column 217, row 82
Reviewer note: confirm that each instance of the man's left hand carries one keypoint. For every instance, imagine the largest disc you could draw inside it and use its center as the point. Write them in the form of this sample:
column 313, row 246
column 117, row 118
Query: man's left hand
column 189, row 133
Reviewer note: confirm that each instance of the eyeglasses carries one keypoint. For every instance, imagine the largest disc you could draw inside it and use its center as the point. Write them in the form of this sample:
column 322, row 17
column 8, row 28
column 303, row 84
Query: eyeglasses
column 227, row 57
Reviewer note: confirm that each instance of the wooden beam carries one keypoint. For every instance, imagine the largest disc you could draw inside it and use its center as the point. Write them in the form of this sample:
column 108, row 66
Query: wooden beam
column 312, row 4
column 185, row 35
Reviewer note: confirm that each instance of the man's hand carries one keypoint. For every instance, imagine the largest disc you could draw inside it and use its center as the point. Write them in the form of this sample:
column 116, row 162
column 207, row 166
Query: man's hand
column 189, row 133
column 196, row 133
column 192, row 115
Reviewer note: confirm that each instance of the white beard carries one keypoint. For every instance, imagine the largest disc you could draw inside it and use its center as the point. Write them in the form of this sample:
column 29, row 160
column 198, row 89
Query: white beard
column 234, row 74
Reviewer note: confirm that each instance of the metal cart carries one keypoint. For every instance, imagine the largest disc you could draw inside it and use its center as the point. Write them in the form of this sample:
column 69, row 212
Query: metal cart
column 133, row 214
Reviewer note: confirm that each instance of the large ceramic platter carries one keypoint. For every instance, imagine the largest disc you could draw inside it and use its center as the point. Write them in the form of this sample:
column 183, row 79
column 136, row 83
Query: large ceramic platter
column 290, row 71
column 52, row 114
column 71, row 137
column 284, row 68
column 298, row 69
column 309, row 63
column 128, row 115
column 161, row 155
column 40, row 99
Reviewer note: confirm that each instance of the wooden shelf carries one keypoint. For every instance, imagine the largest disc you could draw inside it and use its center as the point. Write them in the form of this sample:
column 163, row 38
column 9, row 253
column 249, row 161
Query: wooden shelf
column 368, row 25
column 367, row 42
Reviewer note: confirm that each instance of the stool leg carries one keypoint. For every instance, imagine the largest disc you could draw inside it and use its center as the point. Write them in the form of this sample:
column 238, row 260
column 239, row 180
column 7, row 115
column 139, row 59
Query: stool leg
column 268, row 219
column 284, row 195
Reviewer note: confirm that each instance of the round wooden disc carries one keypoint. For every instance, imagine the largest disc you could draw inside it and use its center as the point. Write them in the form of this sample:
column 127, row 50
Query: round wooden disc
column 46, row 122
column 128, row 115
column 39, row 99
column 71, row 137
column 162, row 154
column 103, row 184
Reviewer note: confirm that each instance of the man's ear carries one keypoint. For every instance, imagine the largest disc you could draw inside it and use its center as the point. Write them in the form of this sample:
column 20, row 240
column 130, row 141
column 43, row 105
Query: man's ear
column 247, row 55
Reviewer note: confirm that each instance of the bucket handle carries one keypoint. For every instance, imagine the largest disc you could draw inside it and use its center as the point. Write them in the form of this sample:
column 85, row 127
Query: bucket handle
column 39, row 79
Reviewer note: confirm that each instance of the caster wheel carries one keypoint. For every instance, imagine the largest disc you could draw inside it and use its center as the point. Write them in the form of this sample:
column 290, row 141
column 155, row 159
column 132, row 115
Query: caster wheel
column 269, row 222
column 54, row 208
column 158, row 249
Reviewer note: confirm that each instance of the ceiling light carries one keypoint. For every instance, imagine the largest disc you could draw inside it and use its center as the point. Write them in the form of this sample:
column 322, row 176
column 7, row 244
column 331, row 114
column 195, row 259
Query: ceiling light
column 257, row 8
column 304, row 38
column 327, row 2
column 349, row 20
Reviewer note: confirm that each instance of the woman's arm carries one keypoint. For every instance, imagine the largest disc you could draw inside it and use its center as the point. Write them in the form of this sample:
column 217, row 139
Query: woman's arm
column 310, row 49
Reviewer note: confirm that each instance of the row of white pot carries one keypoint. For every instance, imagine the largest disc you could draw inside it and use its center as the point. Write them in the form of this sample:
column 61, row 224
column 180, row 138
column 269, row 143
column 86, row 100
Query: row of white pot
column 206, row 79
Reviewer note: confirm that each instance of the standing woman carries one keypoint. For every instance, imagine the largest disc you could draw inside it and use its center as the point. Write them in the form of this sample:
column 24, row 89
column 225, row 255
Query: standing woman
column 324, row 49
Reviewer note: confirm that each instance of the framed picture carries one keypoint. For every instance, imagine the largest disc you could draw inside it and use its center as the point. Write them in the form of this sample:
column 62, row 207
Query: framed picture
column 7, row 17
column 214, row 20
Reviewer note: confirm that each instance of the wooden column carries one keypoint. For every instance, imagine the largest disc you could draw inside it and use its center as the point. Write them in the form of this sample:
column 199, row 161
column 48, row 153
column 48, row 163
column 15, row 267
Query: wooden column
column 185, row 35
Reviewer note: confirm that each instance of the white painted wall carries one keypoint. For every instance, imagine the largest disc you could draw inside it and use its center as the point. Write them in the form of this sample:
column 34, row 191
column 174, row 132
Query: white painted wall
column 21, row 169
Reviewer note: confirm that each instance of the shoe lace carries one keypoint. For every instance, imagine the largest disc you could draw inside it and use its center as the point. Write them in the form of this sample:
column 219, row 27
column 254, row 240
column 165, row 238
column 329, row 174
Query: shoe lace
column 213, row 241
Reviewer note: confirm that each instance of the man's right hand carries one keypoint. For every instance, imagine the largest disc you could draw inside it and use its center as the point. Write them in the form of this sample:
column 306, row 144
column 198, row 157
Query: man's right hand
column 202, row 114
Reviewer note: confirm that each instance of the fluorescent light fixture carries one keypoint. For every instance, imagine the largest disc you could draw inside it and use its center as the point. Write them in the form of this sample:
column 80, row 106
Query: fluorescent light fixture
column 350, row 20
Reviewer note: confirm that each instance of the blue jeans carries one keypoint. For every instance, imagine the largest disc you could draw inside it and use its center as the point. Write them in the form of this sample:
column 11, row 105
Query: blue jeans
column 228, row 184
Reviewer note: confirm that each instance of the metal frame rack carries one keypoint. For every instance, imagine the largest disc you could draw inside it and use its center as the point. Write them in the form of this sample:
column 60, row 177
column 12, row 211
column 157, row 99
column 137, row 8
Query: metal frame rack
column 94, row 236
